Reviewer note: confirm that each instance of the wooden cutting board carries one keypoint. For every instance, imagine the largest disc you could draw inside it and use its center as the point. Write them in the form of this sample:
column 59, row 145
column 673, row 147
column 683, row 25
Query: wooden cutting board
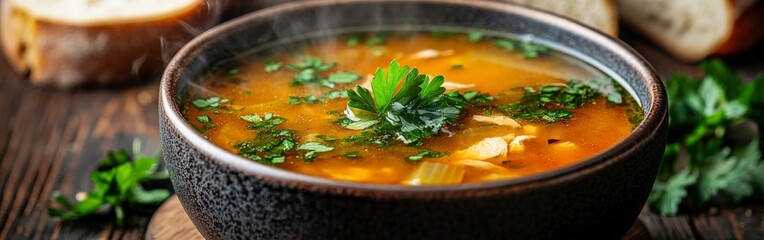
column 171, row 222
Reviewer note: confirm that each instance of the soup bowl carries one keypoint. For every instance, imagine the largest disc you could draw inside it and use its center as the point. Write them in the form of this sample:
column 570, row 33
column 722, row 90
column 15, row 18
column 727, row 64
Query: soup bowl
column 227, row 196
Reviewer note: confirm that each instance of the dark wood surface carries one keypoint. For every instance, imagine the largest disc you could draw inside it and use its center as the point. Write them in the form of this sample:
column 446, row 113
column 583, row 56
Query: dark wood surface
column 51, row 140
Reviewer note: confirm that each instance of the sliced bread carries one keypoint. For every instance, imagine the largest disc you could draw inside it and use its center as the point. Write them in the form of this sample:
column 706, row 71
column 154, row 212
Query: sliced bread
column 67, row 43
column 695, row 29
column 598, row 14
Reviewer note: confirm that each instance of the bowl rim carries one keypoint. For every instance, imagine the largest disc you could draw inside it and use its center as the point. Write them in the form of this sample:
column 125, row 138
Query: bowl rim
column 643, row 133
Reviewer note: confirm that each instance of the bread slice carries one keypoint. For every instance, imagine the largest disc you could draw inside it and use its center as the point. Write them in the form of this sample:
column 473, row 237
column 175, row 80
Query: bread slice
column 689, row 29
column 68, row 43
column 598, row 14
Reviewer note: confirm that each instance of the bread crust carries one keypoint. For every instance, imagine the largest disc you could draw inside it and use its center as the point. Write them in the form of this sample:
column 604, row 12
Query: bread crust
column 743, row 32
column 746, row 33
column 68, row 55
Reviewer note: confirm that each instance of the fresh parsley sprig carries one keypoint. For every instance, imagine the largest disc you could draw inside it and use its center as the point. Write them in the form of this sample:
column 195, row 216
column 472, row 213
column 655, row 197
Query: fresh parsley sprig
column 553, row 103
column 700, row 162
column 117, row 183
column 310, row 69
column 272, row 145
column 402, row 104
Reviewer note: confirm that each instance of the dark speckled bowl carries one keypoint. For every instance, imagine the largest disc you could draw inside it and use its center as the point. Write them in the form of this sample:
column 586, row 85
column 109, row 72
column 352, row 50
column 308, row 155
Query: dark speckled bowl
column 227, row 196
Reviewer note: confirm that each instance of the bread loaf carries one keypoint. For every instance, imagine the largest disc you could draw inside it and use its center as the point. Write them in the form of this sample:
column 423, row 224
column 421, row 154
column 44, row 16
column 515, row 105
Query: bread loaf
column 68, row 43
column 695, row 29
column 598, row 14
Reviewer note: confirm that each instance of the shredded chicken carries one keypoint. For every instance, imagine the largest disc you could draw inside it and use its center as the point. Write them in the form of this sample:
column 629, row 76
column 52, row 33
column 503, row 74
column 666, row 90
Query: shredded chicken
column 431, row 53
column 498, row 120
column 516, row 145
column 485, row 149
column 357, row 173
column 456, row 86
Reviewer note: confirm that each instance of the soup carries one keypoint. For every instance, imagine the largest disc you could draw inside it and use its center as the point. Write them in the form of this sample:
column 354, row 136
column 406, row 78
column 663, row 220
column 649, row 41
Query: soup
column 413, row 108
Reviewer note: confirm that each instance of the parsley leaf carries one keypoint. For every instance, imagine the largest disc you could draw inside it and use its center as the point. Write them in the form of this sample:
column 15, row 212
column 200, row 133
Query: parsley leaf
column 310, row 73
column 378, row 39
column 270, row 144
column 700, row 162
column 553, row 103
column 312, row 148
column 424, row 154
column 343, row 77
column 403, row 105
column 209, row 103
column 272, row 66
column 118, row 183
column 474, row 36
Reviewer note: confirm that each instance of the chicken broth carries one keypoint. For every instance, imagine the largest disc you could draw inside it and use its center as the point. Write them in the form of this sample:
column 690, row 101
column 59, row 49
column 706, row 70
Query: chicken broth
column 349, row 108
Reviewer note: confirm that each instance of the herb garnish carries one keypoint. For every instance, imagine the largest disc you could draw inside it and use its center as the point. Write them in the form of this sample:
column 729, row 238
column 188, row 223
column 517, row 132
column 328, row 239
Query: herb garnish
column 425, row 154
column 209, row 103
column 312, row 148
column 204, row 119
column 378, row 39
column 309, row 73
column 353, row 41
column 353, row 154
column 528, row 48
column 272, row 65
column 702, row 114
column 117, row 183
column 272, row 145
column 554, row 103
column 474, row 36
column 334, row 94
column 402, row 104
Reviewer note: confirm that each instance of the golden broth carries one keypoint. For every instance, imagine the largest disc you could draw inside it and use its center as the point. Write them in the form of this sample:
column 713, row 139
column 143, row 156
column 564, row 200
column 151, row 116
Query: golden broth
column 481, row 66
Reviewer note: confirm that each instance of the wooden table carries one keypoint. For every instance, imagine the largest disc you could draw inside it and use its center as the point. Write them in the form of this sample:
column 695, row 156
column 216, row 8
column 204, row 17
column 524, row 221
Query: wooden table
column 51, row 140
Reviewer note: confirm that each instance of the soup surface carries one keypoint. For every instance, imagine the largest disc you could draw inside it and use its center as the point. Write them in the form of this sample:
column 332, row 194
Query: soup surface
column 506, row 108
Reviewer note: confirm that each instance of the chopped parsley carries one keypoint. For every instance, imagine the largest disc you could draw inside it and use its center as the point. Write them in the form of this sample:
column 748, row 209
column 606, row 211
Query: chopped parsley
column 326, row 138
column 553, row 103
column 309, row 73
column 378, row 39
column 204, row 119
column 475, row 36
column 272, row 65
column 403, row 105
column 425, row 154
column 353, row 41
column 527, row 47
column 505, row 44
column 343, row 77
column 532, row 50
column 209, row 103
column 312, row 148
column 353, row 154
column 334, row 94
column 270, row 144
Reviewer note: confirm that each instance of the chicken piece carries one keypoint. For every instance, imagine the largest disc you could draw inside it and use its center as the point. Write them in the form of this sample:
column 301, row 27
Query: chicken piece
column 431, row 53
column 516, row 145
column 485, row 149
column 498, row 120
